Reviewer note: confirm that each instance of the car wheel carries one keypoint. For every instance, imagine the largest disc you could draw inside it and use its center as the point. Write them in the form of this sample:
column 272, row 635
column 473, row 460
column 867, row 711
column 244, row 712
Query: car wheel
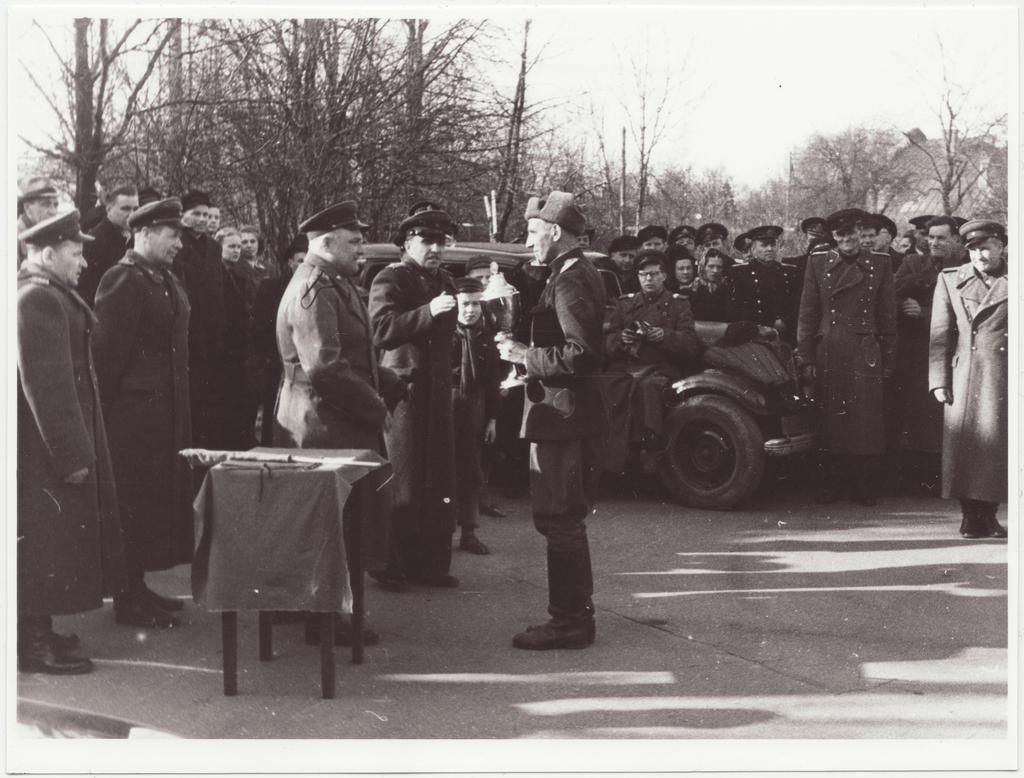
column 714, row 456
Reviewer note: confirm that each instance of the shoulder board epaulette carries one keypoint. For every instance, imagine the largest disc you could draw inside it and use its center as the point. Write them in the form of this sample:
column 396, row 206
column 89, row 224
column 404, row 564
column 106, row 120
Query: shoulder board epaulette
column 952, row 269
column 678, row 296
column 789, row 265
column 627, row 296
column 880, row 253
column 393, row 264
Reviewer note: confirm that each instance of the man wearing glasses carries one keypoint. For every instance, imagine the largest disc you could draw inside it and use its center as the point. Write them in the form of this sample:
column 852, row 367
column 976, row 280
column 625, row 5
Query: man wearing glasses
column 413, row 314
column 650, row 338
column 846, row 342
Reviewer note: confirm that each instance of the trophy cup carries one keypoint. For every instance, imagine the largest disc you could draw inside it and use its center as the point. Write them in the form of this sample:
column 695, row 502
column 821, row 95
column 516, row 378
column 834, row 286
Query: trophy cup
column 501, row 309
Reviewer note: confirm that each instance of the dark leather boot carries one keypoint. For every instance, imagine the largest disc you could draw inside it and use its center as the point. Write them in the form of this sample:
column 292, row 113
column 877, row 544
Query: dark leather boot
column 557, row 633
column 37, row 654
column 971, row 525
column 992, row 525
column 136, row 611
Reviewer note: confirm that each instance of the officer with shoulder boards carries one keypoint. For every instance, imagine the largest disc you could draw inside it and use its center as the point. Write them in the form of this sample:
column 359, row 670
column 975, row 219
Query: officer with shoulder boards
column 69, row 534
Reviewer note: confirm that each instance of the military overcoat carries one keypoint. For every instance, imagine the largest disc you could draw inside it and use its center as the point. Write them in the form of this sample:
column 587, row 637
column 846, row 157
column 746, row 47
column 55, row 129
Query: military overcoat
column 420, row 440
column 141, row 347
column 69, row 535
column 968, row 355
column 764, row 292
column 847, row 330
column 199, row 268
column 331, row 391
column 917, row 418
column 105, row 250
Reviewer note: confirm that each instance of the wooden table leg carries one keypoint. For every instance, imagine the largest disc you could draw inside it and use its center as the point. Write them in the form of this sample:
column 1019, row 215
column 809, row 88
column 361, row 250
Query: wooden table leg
column 327, row 669
column 229, row 646
column 266, row 627
column 355, row 574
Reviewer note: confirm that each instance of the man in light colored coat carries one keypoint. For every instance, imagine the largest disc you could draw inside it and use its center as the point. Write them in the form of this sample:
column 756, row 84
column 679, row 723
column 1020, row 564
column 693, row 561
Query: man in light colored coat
column 967, row 371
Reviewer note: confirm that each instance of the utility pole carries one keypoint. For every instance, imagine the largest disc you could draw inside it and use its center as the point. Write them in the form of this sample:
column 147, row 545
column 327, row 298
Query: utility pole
column 622, row 187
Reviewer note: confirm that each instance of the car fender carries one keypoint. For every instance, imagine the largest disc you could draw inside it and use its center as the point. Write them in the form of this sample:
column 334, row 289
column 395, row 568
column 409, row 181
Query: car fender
column 740, row 389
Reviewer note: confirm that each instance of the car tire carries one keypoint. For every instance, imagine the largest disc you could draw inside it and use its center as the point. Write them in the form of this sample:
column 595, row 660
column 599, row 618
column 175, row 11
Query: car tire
column 714, row 457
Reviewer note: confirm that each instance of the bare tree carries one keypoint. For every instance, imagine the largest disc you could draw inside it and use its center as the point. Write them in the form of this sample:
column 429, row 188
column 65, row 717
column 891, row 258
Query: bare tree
column 102, row 93
column 959, row 161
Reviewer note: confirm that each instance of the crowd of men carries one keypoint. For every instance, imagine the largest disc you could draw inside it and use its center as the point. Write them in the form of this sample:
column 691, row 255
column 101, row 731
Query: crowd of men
column 161, row 330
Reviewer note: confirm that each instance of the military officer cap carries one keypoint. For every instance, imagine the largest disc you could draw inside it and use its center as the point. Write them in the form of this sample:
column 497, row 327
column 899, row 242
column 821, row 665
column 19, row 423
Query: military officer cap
column 919, row 222
column 50, row 232
column 650, row 257
column 533, row 206
column 979, row 230
column 333, row 217
column 814, row 225
column 882, row 222
column 652, row 231
column 682, row 231
column 710, row 231
column 623, row 243
column 675, row 251
column 741, row 242
column 160, row 212
column 560, row 208
column 34, row 188
column 467, row 285
column 765, row 232
column 194, row 198
column 846, row 218
column 426, row 217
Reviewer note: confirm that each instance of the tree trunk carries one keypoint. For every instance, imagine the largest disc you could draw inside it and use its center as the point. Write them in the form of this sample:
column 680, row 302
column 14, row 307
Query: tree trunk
column 86, row 159
column 510, row 170
column 175, row 95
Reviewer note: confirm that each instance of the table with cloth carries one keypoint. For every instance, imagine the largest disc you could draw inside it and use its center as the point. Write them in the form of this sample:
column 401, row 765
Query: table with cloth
column 271, row 537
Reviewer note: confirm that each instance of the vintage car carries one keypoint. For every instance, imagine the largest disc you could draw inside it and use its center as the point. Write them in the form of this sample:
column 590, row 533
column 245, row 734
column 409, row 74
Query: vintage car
column 724, row 420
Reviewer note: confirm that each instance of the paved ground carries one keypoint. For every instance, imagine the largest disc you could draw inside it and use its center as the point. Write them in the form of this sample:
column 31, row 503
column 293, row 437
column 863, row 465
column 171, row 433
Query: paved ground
column 784, row 622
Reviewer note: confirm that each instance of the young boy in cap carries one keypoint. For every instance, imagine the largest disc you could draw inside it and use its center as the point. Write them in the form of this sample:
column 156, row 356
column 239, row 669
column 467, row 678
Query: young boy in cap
column 69, row 546
column 476, row 373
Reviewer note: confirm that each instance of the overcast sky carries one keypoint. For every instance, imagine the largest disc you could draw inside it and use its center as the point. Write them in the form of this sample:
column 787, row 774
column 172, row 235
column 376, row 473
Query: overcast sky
column 748, row 85
column 751, row 84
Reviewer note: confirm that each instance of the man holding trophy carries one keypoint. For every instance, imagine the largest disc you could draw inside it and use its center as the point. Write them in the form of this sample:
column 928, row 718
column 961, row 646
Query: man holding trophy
column 565, row 418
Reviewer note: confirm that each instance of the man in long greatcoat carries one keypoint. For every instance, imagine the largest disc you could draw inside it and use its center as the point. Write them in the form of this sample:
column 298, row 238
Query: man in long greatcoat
column 142, row 359
column 69, row 534
column 198, row 267
column 413, row 314
column 846, row 341
column 333, row 394
column 565, row 418
column 968, row 374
